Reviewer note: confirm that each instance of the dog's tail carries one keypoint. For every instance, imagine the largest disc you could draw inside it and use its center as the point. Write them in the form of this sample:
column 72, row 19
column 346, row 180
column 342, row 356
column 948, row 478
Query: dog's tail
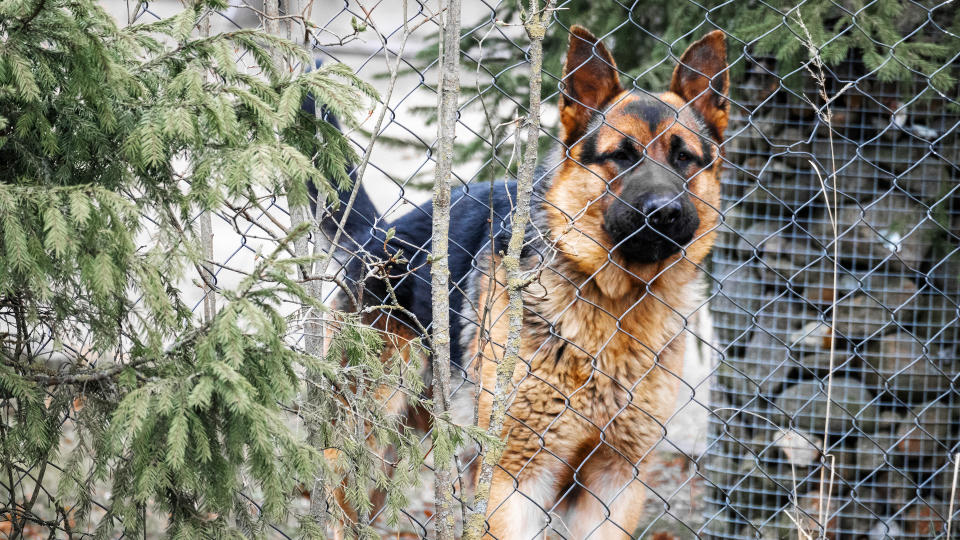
column 357, row 229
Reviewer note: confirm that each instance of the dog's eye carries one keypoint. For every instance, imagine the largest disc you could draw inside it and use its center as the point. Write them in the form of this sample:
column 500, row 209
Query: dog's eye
column 623, row 159
column 683, row 158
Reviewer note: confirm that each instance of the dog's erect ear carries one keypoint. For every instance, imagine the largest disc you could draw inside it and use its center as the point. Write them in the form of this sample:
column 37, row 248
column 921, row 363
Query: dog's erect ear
column 701, row 78
column 590, row 81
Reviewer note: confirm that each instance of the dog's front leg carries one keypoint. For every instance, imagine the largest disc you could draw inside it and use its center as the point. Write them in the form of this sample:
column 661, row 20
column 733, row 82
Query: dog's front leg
column 519, row 507
column 611, row 501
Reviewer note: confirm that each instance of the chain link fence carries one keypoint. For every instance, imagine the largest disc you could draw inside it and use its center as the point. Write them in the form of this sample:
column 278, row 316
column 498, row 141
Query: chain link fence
column 892, row 426
column 819, row 393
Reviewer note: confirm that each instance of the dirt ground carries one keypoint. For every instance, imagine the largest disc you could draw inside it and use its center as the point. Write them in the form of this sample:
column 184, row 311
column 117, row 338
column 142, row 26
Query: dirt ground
column 674, row 506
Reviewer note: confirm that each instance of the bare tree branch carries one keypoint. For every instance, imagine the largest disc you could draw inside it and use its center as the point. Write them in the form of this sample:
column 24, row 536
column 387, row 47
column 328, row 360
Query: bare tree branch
column 536, row 27
column 439, row 271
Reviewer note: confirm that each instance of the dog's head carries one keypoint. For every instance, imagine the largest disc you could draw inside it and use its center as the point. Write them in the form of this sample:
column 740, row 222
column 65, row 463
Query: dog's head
column 639, row 184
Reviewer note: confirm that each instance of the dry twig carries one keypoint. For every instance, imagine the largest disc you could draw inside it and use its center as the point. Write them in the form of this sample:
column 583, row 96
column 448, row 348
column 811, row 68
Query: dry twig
column 826, row 116
column 953, row 493
column 536, row 27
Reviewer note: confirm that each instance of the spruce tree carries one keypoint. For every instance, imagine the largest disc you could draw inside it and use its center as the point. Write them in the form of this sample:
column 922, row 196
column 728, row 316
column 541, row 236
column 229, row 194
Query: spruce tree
column 113, row 393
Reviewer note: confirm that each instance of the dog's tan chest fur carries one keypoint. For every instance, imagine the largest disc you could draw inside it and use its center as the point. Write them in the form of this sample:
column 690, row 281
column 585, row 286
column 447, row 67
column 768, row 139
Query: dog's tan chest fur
column 588, row 362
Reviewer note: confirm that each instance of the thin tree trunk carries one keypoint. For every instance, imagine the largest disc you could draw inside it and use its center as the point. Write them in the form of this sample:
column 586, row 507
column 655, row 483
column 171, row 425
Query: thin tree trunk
column 536, row 27
column 443, row 452
column 206, row 233
column 271, row 23
column 312, row 325
column 315, row 331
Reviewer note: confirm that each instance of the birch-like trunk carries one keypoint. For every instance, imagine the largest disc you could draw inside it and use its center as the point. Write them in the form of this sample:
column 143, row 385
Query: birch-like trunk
column 312, row 324
column 443, row 452
column 206, row 231
column 536, row 27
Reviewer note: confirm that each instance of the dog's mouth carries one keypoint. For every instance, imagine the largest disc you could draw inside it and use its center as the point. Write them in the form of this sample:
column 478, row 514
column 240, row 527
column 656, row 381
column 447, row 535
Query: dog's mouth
column 653, row 229
column 647, row 249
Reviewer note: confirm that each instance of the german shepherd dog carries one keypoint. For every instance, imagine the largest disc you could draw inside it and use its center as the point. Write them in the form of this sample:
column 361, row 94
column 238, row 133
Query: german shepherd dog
column 621, row 219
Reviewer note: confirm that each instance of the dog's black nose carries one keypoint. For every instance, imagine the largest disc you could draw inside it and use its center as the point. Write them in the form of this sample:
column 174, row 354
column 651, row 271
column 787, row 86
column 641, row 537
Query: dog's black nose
column 661, row 211
column 654, row 226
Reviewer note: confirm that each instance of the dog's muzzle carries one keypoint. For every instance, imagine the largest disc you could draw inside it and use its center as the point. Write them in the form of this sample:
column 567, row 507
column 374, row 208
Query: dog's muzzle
column 651, row 219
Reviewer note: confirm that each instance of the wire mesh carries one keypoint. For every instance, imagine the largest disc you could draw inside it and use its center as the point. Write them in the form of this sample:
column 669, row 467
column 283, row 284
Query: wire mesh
column 739, row 454
column 894, row 369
